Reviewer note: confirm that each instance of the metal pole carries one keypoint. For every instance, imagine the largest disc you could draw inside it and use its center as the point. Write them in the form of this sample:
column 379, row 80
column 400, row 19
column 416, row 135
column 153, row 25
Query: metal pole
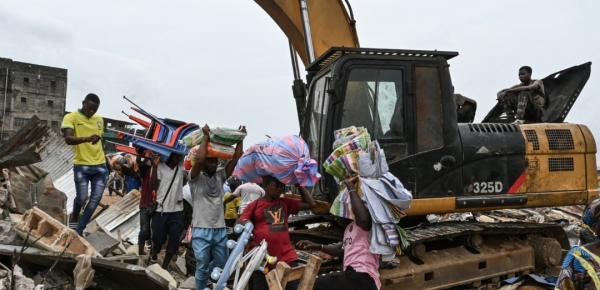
column 4, row 107
column 294, row 62
column 310, row 53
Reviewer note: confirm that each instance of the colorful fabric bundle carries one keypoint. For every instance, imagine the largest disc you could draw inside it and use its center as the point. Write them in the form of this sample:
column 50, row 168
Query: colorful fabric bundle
column 345, row 135
column 218, row 135
column 286, row 158
column 343, row 160
column 383, row 194
column 339, row 167
column 341, row 205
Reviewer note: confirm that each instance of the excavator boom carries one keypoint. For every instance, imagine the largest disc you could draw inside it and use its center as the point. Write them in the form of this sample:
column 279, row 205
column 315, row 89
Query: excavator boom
column 330, row 24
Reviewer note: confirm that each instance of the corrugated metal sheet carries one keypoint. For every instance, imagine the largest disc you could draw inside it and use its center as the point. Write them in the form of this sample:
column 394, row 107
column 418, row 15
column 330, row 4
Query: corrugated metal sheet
column 33, row 143
column 57, row 158
column 66, row 184
column 124, row 216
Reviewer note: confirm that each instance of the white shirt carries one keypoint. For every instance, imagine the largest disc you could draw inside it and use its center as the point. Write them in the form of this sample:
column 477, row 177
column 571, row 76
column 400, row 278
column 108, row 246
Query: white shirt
column 248, row 192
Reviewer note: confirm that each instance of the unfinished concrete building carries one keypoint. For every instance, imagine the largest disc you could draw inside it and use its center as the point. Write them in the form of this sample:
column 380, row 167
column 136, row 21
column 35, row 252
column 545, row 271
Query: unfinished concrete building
column 30, row 89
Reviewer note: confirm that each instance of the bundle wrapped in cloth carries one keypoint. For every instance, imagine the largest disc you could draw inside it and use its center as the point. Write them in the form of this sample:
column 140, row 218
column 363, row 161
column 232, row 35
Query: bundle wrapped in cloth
column 285, row 158
column 383, row 194
column 218, row 135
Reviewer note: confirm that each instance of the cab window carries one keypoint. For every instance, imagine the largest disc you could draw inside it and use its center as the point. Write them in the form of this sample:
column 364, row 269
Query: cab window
column 374, row 100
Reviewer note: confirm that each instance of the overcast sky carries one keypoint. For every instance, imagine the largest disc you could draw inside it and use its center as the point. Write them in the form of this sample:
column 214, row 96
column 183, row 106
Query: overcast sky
column 227, row 63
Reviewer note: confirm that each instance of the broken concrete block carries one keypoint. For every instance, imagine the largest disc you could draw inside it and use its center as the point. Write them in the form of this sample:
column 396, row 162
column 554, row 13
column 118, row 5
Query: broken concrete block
column 156, row 269
column 55, row 235
column 133, row 250
column 57, row 279
column 7, row 232
column 190, row 283
column 102, row 242
column 180, row 262
column 22, row 282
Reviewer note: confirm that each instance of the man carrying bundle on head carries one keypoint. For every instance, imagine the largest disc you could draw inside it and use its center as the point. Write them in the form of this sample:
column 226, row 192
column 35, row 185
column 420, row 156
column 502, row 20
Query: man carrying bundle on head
column 209, row 234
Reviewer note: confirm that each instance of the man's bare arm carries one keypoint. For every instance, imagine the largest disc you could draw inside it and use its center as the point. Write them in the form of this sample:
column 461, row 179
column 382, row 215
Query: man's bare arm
column 201, row 154
column 72, row 140
column 239, row 150
column 307, row 200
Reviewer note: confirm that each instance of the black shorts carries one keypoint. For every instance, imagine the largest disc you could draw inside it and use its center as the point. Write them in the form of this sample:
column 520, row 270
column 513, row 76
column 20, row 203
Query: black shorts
column 347, row 280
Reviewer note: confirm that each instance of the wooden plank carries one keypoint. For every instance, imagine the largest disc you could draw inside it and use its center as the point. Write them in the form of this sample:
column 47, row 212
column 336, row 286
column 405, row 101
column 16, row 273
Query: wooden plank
column 296, row 273
column 273, row 281
column 307, row 281
column 283, row 273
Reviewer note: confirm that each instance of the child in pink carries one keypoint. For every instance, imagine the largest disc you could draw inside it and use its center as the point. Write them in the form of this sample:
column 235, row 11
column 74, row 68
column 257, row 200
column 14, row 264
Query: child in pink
column 361, row 268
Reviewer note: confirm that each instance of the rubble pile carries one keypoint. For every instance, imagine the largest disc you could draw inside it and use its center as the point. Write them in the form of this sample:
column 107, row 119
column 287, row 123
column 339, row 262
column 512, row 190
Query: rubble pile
column 569, row 217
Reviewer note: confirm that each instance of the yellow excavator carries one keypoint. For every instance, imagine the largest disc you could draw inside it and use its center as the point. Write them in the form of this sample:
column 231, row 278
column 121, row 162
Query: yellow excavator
column 447, row 166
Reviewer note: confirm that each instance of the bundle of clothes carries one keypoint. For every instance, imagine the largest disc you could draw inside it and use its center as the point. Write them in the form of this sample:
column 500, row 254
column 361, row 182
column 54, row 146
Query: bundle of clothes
column 383, row 194
column 285, row 158
column 220, row 144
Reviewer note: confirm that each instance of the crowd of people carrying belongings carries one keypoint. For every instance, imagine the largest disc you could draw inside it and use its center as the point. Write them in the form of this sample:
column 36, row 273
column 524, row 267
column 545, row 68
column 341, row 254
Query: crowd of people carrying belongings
column 183, row 186
column 369, row 205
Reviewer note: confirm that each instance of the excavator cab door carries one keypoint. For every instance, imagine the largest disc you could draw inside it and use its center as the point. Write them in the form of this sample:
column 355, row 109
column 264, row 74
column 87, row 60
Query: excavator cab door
column 377, row 96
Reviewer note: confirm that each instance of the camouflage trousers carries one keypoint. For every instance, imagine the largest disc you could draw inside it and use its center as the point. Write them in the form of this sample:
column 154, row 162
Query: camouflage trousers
column 526, row 105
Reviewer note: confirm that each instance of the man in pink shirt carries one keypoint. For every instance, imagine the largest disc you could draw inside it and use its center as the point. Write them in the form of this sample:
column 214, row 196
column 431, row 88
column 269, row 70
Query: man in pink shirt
column 361, row 268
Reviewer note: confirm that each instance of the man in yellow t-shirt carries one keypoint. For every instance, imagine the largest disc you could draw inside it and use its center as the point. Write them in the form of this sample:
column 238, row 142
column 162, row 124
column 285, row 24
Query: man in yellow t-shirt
column 83, row 129
column 231, row 205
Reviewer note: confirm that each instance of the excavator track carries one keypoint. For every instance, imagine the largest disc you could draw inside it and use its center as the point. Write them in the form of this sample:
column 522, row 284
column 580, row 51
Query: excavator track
column 469, row 255
column 446, row 230
column 463, row 255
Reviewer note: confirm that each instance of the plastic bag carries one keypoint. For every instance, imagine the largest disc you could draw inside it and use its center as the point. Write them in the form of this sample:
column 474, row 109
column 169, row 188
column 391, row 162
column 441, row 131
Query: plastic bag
column 286, row 158
column 218, row 135
column 213, row 150
column 83, row 273
column 225, row 136
column 219, row 151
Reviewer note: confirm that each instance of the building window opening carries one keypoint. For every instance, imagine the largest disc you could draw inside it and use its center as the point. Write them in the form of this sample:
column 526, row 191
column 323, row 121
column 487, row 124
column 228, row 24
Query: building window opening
column 23, row 100
column 53, row 84
column 50, row 103
column 25, row 80
column 19, row 122
column 54, row 126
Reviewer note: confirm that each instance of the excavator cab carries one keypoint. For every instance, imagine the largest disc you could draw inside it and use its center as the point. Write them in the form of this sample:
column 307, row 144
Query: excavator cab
column 400, row 96
column 405, row 99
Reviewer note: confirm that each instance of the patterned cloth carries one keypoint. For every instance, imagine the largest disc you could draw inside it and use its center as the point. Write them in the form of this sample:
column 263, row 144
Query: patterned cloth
column 581, row 267
column 579, row 271
column 383, row 194
column 286, row 158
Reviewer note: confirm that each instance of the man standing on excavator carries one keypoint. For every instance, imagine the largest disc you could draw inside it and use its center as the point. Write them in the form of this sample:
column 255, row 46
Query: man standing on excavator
column 525, row 101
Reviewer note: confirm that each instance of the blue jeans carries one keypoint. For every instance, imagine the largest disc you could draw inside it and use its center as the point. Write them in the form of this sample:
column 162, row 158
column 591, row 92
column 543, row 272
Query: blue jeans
column 207, row 242
column 97, row 175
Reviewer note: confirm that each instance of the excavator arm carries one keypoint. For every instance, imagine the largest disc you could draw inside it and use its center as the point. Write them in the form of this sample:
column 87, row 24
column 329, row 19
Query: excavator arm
column 330, row 24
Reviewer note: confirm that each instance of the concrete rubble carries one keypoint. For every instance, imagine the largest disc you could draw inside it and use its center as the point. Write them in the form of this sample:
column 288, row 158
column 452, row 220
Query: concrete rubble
column 567, row 216
column 52, row 235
